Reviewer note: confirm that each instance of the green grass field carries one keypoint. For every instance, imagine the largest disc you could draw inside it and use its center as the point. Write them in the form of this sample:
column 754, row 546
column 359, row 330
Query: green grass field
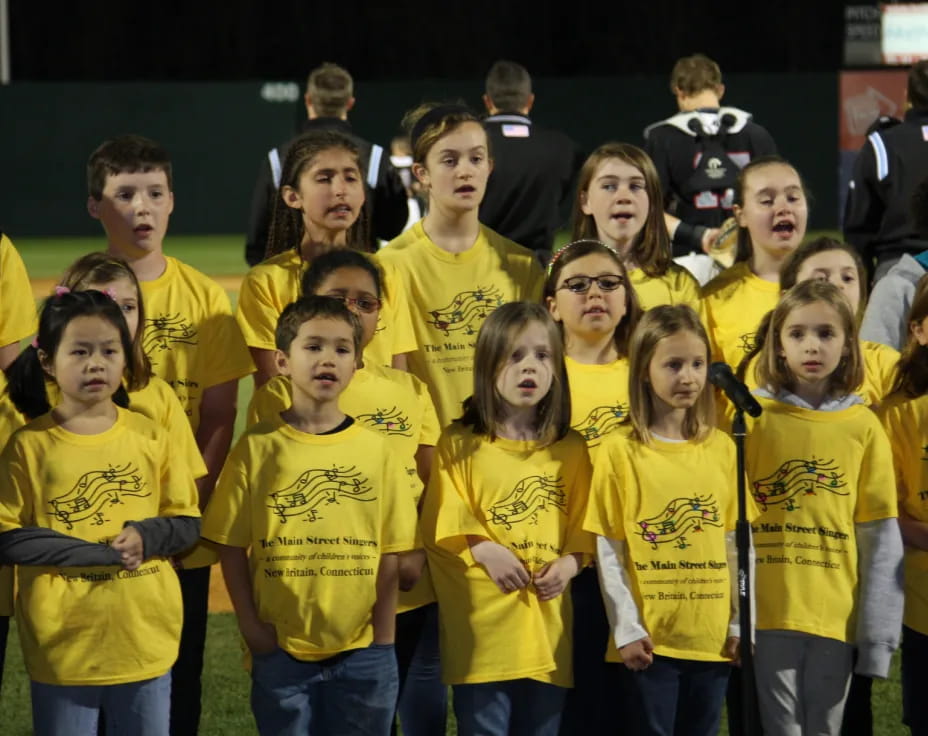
column 225, row 698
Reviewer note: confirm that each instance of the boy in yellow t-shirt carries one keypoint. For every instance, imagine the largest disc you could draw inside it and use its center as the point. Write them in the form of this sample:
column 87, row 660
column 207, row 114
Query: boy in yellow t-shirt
column 324, row 505
column 194, row 345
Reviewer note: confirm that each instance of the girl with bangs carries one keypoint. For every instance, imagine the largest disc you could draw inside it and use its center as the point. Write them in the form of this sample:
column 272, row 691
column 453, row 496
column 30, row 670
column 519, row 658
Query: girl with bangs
column 664, row 501
column 820, row 470
column 619, row 203
column 502, row 529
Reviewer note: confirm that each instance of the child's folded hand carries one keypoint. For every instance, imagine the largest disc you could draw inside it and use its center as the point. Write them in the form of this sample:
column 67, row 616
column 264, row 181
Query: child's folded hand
column 131, row 547
column 503, row 567
column 638, row 655
column 553, row 578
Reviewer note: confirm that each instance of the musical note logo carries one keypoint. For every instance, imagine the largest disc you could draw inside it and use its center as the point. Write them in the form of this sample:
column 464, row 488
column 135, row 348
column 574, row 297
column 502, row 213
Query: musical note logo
column 747, row 342
column 601, row 421
column 163, row 332
column 799, row 477
column 95, row 491
column 320, row 488
column 466, row 312
column 681, row 516
column 387, row 421
column 531, row 495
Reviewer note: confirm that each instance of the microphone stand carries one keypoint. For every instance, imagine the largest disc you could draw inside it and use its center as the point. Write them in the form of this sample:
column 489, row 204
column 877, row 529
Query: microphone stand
column 750, row 716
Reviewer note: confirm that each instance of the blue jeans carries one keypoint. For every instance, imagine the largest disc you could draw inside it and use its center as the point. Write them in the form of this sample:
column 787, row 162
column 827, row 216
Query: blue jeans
column 350, row 694
column 510, row 708
column 423, row 702
column 680, row 697
column 141, row 708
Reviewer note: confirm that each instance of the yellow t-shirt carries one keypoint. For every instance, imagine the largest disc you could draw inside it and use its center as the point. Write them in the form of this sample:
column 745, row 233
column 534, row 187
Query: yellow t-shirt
column 395, row 404
column 526, row 498
column 190, row 335
column 95, row 625
column 318, row 511
column 10, row 421
column 448, row 296
column 814, row 475
column 672, row 504
column 906, row 422
column 272, row 285
column 677, row 286
column 598, row 399
column 735, row 301
column 20, row 318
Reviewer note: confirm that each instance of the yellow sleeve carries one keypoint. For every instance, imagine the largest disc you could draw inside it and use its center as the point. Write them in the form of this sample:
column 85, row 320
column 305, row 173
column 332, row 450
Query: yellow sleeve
column 19, row 317
column 17, row 495
column 227, row 356
column 577, row 539
column 227, row 518
column 430, row 428
column 454, row 518
column 179, row 495
column 903, row 452
column 535, row 282
column 181, row 434
column 876, row 492
column 257, row 311
column 396, row 312
column 604, row 509
column 268, row 401
column 400, row 518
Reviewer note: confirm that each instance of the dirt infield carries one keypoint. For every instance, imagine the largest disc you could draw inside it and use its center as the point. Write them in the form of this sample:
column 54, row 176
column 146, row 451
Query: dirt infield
column 41, row 288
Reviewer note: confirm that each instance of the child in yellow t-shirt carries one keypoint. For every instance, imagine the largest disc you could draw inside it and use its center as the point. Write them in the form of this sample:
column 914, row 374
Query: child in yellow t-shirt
column 663, row 503
column 501, row 525
column 453, row 270
column 905, row 417
column 10, row 420
column 324, row 505
column 397, row 405
column 588, row 294
column 320, row 207
column 19, row 318
column 619, row 203
column 91, row 508
column 820, row 469
column 771, row 210
column 193, row 343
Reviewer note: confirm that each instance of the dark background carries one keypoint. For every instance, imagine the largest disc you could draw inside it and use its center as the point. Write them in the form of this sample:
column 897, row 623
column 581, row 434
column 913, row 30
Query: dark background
column 192, row 75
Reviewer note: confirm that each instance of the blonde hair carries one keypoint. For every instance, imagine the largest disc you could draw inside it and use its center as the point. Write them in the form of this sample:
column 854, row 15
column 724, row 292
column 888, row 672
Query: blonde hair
column 651, row 250
column 485, row 410
column 772, row 369
column 656, row 324
column 447, row 117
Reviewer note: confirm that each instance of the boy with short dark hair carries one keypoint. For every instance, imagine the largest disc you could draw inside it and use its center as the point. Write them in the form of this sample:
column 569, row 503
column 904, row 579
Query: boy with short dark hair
column 194, row 344
column 324, row 507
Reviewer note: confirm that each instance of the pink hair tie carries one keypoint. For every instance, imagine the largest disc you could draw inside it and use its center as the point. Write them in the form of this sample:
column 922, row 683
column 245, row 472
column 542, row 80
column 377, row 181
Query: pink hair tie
column 59, row 290
column 110, row 293
column 35, row 342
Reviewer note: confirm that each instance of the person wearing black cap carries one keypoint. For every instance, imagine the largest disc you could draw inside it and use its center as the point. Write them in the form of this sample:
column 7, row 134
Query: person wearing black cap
column 699, row 151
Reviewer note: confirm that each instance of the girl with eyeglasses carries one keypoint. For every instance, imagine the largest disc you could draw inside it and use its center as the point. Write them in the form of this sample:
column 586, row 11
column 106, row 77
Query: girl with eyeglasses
column 588, row 294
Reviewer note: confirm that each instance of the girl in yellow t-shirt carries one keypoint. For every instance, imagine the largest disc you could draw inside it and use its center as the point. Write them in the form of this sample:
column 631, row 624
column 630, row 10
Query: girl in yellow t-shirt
column 501, row 525
column 663, row 503
column 319, row 207
column 771, row 210
column 905, row 417
column 588, row 294
column 452, row 270
column 619, row 203
column 820, row 469
column 397, row 405
column 90, row 510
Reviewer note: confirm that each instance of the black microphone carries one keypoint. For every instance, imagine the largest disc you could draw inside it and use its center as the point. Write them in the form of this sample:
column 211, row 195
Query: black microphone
column 720, row 375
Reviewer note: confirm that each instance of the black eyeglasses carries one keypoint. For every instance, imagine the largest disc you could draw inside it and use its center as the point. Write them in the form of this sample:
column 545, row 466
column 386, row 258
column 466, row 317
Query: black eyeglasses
column 366, row 304
column 582, row 284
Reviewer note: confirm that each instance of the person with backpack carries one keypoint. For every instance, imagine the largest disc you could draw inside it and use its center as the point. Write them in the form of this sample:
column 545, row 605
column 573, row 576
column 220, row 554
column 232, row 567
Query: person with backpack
column 698, row 153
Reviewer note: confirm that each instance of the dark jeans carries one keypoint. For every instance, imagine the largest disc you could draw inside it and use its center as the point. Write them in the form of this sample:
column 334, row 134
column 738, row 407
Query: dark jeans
column 681, row 697
column 423, row 698
column 599, row 688
column 511, row 708
column 858, row 714
column 185, row 676
column 914, row 681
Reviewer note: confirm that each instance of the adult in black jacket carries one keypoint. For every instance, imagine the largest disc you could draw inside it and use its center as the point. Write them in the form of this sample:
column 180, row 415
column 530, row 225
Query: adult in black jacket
column 677, row 143
column 329, row 97
column 890, row 166
column 531, row 186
